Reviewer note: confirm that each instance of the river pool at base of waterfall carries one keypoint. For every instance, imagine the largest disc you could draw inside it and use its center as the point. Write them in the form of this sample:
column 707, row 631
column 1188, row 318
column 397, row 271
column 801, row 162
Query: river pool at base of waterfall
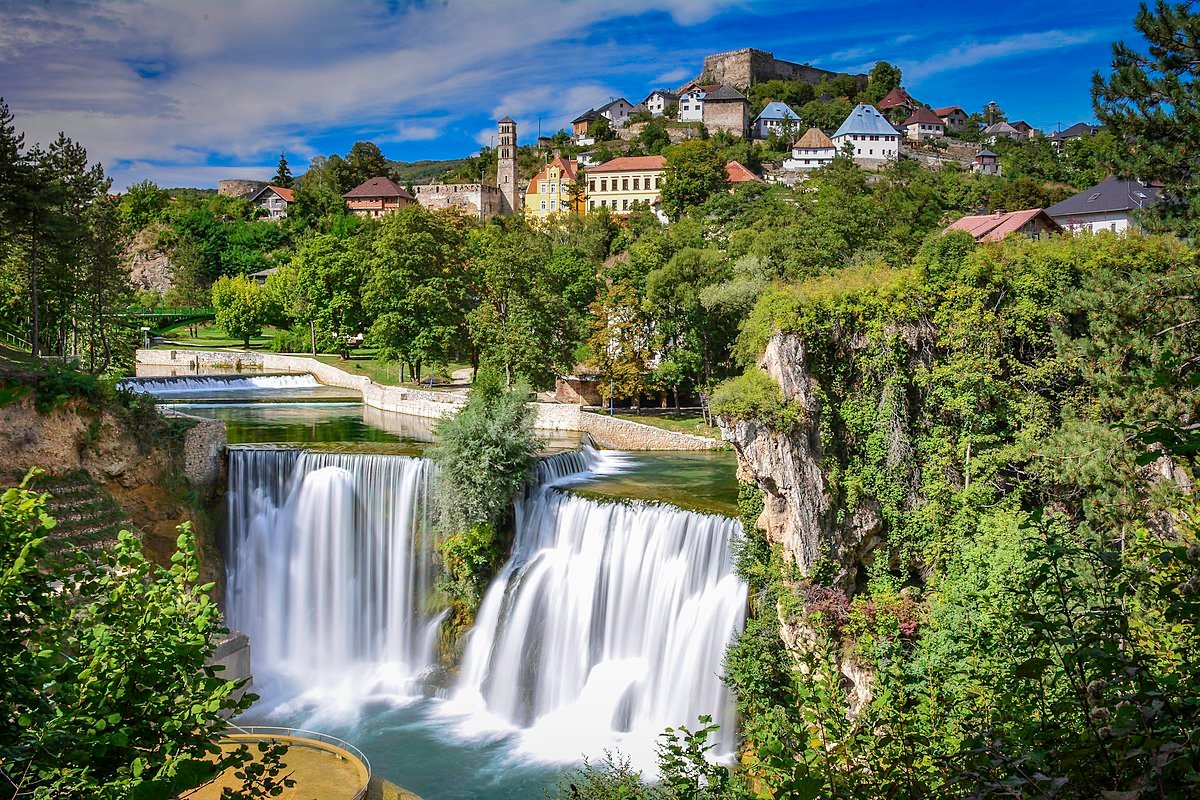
column 421, row 748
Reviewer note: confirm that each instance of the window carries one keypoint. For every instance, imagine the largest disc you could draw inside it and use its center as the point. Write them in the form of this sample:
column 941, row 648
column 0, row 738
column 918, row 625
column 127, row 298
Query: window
column 591, row 186
column 591, row 203
column 1093, row 197
column 656, row 183
column 553, row 188
column 624, row 205
column 624, row 184
column 553, row 205
column 542, row 187
column 635, row 184
column 543, row 205
column 604, row 185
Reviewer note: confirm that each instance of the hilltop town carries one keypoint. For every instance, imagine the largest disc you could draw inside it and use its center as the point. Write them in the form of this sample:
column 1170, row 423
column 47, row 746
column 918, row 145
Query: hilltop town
column 791, row 119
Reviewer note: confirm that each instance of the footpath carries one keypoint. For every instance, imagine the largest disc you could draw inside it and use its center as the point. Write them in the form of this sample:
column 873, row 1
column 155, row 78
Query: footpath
column 610, row 432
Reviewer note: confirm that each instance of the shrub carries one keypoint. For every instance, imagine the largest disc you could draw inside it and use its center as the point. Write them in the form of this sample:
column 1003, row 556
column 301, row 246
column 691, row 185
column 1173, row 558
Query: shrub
column 754, row 396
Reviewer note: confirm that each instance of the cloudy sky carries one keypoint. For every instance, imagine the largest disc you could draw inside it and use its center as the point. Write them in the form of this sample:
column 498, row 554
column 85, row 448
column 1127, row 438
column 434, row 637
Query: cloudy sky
column 188, row 91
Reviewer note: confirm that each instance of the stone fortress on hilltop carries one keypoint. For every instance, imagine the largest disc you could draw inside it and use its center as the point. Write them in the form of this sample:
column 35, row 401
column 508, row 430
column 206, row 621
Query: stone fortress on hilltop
column 748, row 66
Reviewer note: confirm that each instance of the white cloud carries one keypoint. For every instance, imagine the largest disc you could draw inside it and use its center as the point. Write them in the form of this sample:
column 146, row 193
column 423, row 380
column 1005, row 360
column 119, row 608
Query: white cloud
column 200, row 177
column 970, row 54
column 672, row 77
column 185, row 83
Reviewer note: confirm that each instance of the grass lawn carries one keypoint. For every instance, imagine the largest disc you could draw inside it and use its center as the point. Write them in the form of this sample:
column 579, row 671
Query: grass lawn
column 683, row 422
column 212, row 336
column 363, row 362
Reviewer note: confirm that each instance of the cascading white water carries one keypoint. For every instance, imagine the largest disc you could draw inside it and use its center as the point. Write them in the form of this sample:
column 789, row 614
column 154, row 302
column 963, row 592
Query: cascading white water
column 607, row 625
column 219, row 383
column 330, row 570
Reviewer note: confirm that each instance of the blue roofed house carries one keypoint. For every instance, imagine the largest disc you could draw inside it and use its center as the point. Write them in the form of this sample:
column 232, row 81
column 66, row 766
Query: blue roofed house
column 874, row 140
column 776, row 118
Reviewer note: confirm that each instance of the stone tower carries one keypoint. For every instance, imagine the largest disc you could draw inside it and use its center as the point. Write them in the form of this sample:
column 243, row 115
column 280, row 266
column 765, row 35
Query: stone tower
column 506, row 166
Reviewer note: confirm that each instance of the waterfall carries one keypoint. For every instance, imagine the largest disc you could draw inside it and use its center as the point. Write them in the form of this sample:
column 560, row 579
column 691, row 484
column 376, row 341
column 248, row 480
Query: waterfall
column 330, row 570
column 218, row 383
column 607, row 625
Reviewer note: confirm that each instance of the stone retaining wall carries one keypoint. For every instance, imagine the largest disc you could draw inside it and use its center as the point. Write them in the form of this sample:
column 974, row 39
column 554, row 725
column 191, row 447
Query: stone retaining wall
column 607, row 431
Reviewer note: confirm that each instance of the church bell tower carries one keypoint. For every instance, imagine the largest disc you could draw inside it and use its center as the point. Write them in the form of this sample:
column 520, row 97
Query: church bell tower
column 506, row 166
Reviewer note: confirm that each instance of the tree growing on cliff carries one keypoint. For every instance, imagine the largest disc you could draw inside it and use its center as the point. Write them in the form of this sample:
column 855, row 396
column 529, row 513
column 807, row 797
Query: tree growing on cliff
column 241, row 307
column 882, row 79
column 1152, row 103
column 105, row 690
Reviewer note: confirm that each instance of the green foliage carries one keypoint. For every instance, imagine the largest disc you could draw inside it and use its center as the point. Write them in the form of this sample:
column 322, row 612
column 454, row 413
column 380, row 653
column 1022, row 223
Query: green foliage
column 754, row 396
column 283, row 173
column 103, row 679
column 241, row 307
column 883, row 78
column 1150, row 101
column 695, row 171
column 484, row 455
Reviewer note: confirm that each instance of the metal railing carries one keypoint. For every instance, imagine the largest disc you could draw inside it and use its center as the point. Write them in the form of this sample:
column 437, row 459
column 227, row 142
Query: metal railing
column 269, row 731
column 15, row 341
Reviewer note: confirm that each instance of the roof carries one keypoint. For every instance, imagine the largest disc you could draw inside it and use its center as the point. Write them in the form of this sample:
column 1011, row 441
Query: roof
column 612, row 103
column 1110, row 194
column 999, row 127
column 724, row 92
column 704, row 87
column 264, row 273
column 667, row 94
column 814, row 139
column 1021, row 125
column 1078, row 129
column 946, row 111
column 568, row 167
column 865, row 119
column 738, row 173
column 586, row 116
column 923, row 116
column 777, row 110
column 897, row 97
column 629, row 164
column 994, row 227
column 506, row 119
column 286, row 194
column 985, row 152
column 378, row 187
column 638, row 107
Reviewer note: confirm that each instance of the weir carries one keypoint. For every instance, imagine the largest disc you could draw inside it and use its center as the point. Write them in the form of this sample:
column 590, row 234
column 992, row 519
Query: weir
column 607, row 624
column 219, row 383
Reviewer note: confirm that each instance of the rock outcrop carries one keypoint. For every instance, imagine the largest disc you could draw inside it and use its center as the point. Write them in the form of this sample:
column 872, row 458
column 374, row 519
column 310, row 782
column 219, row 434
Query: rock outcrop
column 798, row 511
column 148, row 482
column 149, row 267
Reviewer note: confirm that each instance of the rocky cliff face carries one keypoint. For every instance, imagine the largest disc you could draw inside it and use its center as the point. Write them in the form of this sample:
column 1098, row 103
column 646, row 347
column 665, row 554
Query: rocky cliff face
column 149, row 267
column 798, row 512
column 148, row 483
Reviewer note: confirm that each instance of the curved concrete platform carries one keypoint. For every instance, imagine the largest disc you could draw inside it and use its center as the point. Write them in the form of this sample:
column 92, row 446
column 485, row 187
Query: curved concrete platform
column 322, row 767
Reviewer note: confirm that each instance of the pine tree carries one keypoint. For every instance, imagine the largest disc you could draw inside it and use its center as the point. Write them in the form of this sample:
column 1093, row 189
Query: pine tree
column 1151, row 103
column 283, row 173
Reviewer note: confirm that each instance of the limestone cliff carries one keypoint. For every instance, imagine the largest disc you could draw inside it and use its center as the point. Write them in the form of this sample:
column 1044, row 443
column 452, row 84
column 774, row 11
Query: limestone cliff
column 149, row 267
column 798, row 511
column 157, row 484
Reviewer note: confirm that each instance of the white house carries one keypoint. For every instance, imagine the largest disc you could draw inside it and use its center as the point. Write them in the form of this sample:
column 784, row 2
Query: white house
column 1001, row 130
column 617, row 111
column 274, row 200
column 867, row 131
column 776, row 118
column 1108, row 206
column 923, row 124
column 658, row 100
column 812, row 150
column 691, row 101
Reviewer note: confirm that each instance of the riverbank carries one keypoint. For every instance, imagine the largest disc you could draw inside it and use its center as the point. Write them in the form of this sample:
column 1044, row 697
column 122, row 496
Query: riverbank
column 610, row 432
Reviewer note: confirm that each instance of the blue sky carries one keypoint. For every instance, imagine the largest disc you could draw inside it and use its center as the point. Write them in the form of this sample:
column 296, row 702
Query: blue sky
column 185, row 92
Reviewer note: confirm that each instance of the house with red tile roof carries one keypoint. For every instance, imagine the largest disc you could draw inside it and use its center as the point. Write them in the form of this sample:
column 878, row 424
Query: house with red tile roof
column 737, row 173
column 923, row 124
column 1032, row 223
column 274, row 200
column 376, row 197
column 550, row 190
column 897, row 102
column 953, row 117
column 621, row 183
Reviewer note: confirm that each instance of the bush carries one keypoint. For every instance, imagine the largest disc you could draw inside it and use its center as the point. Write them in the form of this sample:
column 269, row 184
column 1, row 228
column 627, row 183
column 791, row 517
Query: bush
column 754, row 396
